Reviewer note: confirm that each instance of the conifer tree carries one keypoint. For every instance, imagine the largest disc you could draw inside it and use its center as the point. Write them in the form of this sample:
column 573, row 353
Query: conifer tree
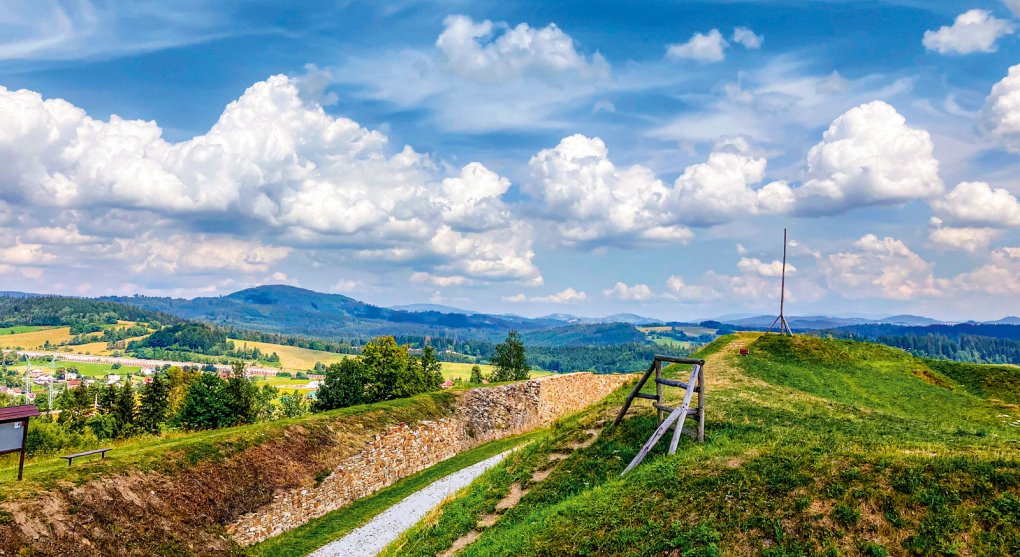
column 124, row 408
column 205, row 404
column 155, row 405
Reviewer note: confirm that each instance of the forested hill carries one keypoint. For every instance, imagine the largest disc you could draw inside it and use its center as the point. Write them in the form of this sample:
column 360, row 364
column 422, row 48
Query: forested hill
column 58, row 311
column 964, row 342
column 287, row 309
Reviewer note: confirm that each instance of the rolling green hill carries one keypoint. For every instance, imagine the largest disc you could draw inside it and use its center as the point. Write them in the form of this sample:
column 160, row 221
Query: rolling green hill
column 813, row 447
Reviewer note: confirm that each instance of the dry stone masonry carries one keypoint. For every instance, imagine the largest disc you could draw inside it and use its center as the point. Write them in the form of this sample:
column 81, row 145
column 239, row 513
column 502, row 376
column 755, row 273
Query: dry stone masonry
column 481, row 415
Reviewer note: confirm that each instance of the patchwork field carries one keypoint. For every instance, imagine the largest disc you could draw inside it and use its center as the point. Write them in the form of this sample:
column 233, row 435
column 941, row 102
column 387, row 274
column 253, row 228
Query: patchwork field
column 36, row 338
column 292, row 357
column 21, row 329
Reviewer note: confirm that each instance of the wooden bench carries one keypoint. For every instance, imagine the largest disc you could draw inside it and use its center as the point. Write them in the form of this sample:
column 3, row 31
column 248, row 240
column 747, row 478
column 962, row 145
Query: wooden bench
column 71, row 457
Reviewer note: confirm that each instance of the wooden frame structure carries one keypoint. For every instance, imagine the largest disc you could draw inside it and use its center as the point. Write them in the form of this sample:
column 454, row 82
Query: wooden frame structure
column 670, row 416
column 16, row 417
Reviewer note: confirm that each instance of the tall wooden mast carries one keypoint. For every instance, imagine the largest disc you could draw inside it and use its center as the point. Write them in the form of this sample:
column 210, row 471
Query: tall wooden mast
column 784, row 327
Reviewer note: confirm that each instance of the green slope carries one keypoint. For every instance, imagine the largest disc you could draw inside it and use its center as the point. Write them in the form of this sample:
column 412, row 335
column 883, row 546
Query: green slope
column 814, row 447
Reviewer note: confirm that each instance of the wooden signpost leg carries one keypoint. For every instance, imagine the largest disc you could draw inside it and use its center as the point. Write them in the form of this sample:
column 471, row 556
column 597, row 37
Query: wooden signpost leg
column 24, row 439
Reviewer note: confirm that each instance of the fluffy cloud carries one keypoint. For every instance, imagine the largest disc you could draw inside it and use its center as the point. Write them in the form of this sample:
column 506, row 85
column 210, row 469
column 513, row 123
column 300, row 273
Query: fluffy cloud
column 747, row 38
column 274, row 165
column 978, row 204
column 973, row 31
column 472, row 49
column 1000, row 277
column 719, row 191
column 681, row 291
column 880, row 268
column 202, row 253
column 593, row 199
column 428, row 278
column 622, row 291
column 868, row 156
column 483, row 76
column 707, row 47
column 969, row 239
column 25, row 254
column 754, row 266
column 565, row 296
column 472, row 200
column 1000, row 117
column 1014, row 6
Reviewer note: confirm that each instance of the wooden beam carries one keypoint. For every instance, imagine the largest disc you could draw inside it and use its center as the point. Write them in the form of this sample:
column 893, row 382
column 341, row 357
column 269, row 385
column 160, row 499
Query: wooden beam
column 634, row 393
column 683, row 410
column 672, row 383
column 659, row 432
column 678, row 360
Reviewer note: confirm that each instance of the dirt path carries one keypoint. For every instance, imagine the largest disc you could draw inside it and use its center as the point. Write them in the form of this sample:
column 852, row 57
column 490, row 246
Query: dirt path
column 517, row 492
column 373, row 537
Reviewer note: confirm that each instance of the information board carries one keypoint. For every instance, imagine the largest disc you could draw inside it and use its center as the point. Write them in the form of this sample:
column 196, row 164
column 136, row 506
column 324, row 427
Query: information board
column 11, row 435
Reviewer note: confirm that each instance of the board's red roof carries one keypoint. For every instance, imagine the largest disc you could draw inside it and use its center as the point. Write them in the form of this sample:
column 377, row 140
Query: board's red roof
column 11, row 413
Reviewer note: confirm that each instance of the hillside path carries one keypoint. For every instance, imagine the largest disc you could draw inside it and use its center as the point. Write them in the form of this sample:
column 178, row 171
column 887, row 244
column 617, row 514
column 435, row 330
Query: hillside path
column 374, row 536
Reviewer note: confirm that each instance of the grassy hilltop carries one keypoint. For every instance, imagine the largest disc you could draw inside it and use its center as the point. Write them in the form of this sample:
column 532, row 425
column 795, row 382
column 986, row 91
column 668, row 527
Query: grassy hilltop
column 813, row 447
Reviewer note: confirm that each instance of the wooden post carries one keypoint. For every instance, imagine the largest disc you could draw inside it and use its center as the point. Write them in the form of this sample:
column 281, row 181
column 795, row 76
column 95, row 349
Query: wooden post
column 683, row 409
column 701, row 404
column 658, row 388
column 24, row 439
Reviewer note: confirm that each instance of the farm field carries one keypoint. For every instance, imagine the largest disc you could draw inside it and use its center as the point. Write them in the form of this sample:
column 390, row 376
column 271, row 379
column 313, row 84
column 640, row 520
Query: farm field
column 292, row 357
column 36, row 339
column 285, row 384
column 17, row 329
column 85, row 368
column 98, row 348
column 671, row 342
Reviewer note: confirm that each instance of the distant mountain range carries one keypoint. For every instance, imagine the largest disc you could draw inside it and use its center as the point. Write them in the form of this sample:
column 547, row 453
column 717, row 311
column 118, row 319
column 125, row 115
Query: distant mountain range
column 630, row 318
column 292, row 310
column 288, row 309
column 814, row 322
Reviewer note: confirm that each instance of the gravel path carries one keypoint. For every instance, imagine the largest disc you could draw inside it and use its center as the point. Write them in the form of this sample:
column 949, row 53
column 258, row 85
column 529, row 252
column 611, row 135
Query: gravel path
column 374, row 536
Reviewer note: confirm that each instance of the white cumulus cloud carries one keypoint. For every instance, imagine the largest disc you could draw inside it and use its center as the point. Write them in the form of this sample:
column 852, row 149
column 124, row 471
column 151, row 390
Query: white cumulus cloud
column 565, row 296
column 623, row 291
column 183, row 253
column 868, row 156
column 973, row 31
column 747, row 38
column 755, row 266
column 274, row 165
column 968, row 239
column 978, row 204
column 704, row 47
column 593, row 199
column 488, row 51
column 1000, row 117
column 879, row 268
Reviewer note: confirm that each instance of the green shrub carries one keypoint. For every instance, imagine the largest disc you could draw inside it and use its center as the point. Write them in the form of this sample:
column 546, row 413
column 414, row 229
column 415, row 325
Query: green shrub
column 48, row 438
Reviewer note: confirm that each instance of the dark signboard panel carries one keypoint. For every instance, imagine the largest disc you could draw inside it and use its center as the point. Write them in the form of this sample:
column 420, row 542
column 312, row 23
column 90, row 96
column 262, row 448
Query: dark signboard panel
column 11, row 434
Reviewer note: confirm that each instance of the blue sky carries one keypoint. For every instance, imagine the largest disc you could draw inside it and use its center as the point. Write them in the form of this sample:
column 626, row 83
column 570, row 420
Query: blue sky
column 583, row 157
